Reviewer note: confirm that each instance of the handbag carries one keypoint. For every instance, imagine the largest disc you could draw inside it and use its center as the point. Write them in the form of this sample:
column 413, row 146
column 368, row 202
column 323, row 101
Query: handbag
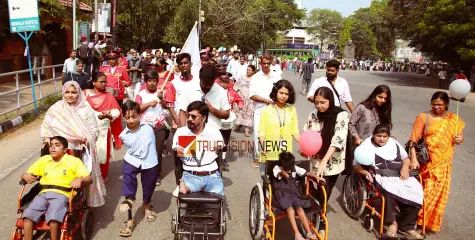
column 420, row 146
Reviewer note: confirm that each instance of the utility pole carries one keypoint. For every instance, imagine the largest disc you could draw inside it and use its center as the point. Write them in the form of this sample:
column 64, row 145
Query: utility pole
column 96, row 19
column 75, row 39
column 114, row 9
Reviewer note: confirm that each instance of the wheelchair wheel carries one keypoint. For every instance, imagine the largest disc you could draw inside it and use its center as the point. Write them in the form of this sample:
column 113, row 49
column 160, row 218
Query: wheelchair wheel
column 87, row 224
column 256, row 212
column 354, row 195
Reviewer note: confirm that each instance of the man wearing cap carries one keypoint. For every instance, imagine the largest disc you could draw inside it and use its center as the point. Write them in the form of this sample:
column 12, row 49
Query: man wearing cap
column 135, row 69
column 117, row 77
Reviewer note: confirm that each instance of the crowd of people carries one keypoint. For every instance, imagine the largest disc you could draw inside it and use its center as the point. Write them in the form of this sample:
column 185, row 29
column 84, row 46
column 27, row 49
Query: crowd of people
column 160, row 97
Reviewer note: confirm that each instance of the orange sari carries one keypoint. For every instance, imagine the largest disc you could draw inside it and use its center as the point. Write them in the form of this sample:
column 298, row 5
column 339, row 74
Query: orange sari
column 437, row 171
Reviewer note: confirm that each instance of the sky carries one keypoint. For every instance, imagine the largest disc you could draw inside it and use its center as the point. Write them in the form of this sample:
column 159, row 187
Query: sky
column 346, row 7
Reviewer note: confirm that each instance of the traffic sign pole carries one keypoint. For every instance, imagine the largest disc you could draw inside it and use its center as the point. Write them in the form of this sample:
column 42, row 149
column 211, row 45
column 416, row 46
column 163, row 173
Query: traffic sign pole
column 27, row 37
column 24, row 20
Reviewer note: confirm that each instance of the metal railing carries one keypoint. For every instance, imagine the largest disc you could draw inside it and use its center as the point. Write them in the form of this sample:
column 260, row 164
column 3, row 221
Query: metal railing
column 6, row 101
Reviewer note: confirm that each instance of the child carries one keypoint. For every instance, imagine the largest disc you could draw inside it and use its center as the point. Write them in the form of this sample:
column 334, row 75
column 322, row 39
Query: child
column 287, row 195
column 233, row 98
column 141, row 157
column 59, row 173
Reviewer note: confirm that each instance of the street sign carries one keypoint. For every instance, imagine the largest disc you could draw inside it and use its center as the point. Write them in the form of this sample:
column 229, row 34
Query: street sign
column 82, row 29
column 23, row 15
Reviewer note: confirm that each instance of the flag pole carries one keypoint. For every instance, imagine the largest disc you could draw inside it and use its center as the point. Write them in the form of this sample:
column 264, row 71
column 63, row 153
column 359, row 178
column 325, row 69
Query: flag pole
column 181, row 50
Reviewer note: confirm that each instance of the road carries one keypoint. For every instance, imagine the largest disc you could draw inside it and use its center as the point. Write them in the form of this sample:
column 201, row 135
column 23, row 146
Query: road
column 411, row 95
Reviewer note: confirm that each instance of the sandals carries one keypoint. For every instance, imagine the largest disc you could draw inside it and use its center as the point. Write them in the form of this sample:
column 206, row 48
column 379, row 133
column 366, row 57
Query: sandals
column 150, row 215
column 255, row 163
column 126, row 230
column 413, row 234
column 391, row 232
column 311, row 236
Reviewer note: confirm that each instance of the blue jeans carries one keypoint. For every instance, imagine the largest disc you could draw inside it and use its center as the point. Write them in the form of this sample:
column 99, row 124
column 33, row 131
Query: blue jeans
column 211, row 183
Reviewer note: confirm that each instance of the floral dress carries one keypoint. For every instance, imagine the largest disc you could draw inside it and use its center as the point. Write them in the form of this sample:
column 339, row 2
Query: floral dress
column 363, row 121
column 336, row 164
column 244, row 117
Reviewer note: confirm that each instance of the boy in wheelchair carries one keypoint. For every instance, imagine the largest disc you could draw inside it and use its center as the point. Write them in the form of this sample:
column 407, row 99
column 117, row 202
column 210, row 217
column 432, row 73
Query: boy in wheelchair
column 389, row 172
column 287, row 194
column 59, row 173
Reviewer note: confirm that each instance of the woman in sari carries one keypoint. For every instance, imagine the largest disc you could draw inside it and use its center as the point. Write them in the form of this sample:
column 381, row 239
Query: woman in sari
column 245, row 116
column 107, row 111
column 392, row 177
column 74, row 119
column 444, row 130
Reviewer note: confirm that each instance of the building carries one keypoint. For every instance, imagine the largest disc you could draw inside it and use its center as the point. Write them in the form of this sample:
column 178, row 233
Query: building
column 403, row 52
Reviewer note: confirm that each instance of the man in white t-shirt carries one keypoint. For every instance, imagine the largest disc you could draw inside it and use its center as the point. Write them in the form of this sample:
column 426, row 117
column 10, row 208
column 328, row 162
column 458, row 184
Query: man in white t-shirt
column 259, row 90
column 337, row 84
column 207, row 91
column 197, row 146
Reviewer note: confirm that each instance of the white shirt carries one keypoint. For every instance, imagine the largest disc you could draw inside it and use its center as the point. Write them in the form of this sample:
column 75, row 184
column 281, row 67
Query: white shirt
column 180, row 87
column 233, row 67
column 261, row 86
column 204, row 145
column 217, row 96
column 69, row 65
column 276, row 68
column 241, row 71
column 341, row 86
column 298, row 171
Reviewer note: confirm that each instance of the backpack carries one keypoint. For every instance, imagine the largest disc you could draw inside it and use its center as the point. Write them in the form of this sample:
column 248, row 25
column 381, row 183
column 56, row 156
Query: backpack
column 83, row 50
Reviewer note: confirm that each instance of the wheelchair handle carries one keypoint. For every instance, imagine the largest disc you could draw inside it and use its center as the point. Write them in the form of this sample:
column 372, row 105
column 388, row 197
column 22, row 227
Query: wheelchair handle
column 23, row 182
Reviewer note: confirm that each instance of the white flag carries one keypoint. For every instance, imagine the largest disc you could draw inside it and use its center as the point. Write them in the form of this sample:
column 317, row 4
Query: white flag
column 192, row 47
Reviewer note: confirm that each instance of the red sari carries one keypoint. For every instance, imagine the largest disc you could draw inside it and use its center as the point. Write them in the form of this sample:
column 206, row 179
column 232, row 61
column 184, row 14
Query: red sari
column 104, row 102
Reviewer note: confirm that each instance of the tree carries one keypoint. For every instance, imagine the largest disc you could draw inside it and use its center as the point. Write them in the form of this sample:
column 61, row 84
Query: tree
column 324, row 25
column 345, row 35
column 364, row 40
column 442, row 29
column 245, row 23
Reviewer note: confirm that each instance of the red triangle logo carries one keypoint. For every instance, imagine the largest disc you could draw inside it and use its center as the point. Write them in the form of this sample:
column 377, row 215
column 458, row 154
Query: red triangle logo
column 184, row 141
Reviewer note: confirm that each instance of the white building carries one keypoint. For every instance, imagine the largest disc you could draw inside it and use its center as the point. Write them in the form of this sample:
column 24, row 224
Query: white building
column 403, row 51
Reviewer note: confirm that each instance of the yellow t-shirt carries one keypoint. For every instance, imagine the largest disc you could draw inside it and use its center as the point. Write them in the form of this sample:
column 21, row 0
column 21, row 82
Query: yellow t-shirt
column 60, row 173
column 270, row 128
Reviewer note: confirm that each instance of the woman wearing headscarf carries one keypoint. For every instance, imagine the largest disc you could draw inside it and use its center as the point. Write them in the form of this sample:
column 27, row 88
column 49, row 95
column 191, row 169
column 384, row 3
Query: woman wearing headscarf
column 332, row 123
column 73, row 119
column 107, row 111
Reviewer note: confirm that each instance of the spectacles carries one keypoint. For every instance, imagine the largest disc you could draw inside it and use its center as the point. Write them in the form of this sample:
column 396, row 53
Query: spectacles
column 193, row 117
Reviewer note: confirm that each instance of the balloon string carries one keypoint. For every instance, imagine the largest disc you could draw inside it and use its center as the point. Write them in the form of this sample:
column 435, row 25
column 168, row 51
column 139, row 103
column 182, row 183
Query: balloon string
column 457, row 123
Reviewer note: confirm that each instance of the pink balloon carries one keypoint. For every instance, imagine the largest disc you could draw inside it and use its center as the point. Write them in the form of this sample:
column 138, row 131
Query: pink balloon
column 310, row 142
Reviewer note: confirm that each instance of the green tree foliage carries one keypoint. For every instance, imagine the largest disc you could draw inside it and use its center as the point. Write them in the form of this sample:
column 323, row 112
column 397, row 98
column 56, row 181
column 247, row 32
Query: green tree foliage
column 324, row 25
column 364, row 40
column 245, row 23
column 142, row 23
column 442, row 29
column 345, row 35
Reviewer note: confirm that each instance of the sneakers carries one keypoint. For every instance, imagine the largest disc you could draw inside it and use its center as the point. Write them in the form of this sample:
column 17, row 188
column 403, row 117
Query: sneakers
column 176, row 192
column 159, row 182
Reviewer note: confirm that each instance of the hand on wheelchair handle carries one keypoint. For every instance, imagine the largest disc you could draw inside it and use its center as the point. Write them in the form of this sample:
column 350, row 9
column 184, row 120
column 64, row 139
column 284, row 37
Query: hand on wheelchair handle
column 76, row 183
column 28, row 178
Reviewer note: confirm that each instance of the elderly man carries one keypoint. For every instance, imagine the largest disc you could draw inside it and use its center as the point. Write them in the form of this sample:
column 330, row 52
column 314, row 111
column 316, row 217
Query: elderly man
column 199, row 156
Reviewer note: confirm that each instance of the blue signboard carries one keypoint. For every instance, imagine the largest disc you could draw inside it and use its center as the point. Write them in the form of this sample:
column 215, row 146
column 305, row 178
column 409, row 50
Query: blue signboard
column 301, row 46
column 23, row 15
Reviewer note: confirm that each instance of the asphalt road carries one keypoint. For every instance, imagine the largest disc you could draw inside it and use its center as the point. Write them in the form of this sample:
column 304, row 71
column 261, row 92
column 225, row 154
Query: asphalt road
column 411, row 95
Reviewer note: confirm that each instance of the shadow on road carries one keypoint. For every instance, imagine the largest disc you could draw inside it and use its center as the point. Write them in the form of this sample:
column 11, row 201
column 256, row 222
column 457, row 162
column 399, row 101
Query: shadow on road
column 408, row 79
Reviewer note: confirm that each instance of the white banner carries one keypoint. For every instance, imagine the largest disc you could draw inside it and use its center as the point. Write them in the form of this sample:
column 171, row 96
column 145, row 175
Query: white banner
column 104, row 18
column 192, row 47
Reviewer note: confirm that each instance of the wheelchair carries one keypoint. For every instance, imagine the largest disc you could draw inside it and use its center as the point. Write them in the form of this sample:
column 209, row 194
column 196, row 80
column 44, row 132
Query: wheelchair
column 263, row 213
column 78, row 220
column 359, row 195
column 190, row 218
